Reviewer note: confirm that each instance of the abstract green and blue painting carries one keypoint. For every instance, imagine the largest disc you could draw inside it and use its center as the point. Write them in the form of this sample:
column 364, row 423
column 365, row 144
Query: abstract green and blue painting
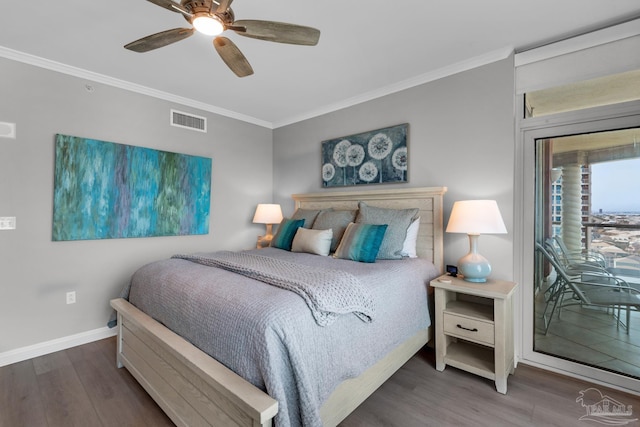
column 104, row 190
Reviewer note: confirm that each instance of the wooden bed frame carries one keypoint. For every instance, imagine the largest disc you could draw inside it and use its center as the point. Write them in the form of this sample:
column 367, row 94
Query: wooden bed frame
column 196, row 390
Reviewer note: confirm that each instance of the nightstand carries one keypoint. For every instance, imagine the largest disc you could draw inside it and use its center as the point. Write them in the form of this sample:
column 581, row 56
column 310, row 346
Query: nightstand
column 474, row 327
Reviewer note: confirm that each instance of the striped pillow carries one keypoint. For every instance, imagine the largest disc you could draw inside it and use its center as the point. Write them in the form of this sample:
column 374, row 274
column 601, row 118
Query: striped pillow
column 286, row 232
column 361, row 242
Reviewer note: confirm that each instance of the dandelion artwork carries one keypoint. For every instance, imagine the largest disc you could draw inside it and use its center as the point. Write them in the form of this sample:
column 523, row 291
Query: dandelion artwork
column 104, row 190
column 374, row 157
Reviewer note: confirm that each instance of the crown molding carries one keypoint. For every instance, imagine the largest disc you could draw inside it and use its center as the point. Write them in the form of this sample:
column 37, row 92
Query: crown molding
column 440, row 73
column 122, row 84
column 456, row 68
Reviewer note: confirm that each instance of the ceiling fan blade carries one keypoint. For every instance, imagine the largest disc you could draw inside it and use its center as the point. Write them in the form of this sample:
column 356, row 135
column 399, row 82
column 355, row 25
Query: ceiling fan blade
column 223, row 5
column 158, row 40
column 280, row 32
column 171, row 5
column 232, row 56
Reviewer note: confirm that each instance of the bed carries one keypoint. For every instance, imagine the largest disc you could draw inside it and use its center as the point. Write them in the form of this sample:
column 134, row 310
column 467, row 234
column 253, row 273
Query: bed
column 195, row 389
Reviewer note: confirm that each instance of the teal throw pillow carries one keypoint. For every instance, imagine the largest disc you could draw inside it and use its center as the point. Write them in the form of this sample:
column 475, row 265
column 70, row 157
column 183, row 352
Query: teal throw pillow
column 286, row 232
column 361, row 242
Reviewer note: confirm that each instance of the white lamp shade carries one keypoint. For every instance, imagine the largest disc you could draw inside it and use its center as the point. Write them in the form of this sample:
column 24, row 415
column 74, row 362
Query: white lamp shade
column 268, row 214
column 476, row 217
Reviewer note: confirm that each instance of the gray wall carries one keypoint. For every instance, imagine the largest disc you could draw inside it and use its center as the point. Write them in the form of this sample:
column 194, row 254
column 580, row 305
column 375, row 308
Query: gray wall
column 461, row 131
column 461, row 135
column 36, row 273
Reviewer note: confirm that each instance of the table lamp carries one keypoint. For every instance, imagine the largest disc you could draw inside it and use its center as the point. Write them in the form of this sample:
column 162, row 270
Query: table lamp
column 475, row 217
column 268, row 214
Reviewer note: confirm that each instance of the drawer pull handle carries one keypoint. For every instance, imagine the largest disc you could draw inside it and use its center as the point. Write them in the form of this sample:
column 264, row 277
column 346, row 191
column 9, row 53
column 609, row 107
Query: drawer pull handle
column 467, row 329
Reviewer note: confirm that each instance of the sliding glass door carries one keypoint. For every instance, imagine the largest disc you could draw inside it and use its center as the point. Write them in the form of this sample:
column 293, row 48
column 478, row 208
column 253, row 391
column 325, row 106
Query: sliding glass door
column 581, row 239
column 587, row 275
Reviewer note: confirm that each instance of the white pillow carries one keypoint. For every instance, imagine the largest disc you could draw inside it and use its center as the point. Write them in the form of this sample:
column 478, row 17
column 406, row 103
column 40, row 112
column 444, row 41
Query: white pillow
column 312, row 241
column 409, row 245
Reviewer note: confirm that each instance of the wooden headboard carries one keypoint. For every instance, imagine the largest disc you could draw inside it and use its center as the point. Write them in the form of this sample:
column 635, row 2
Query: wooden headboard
column 427, row 199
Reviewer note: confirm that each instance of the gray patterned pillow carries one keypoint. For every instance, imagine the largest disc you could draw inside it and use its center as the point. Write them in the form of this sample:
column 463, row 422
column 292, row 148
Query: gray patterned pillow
column 309, row 216
column 337, row 221
column 398, row 221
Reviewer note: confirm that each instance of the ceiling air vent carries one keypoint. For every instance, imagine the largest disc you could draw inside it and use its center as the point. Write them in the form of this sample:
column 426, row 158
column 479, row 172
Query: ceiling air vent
column 188, row 121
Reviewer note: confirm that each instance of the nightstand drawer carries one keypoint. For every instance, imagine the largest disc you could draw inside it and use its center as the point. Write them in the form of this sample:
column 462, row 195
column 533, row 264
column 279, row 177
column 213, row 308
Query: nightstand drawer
column 472, row 329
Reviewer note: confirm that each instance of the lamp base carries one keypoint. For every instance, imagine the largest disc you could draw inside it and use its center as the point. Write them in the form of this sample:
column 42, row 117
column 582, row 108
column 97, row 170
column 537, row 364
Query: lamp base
column 474, row 268
column 264, row 241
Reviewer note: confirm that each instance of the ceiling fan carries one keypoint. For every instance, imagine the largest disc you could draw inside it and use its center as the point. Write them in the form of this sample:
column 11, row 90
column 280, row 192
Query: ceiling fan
column 212, row 17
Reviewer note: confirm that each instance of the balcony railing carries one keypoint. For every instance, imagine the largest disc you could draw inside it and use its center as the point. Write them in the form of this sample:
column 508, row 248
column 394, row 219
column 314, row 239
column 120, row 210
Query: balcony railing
column 602, row 237
column 611, row 225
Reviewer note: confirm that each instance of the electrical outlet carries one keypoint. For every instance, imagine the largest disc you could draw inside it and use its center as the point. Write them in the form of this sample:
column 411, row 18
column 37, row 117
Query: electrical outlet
column 71, row 297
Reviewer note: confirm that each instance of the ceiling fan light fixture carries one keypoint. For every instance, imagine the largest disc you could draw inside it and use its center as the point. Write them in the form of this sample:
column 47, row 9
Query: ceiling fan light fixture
column 212, row 18
column 208, row 24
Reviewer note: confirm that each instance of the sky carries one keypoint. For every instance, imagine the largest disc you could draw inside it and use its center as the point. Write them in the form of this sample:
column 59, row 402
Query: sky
column 615, row 186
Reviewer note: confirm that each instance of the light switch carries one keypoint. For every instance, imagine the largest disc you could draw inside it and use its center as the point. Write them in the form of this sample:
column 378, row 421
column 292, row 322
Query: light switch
column 7, row 130
column 7, row 222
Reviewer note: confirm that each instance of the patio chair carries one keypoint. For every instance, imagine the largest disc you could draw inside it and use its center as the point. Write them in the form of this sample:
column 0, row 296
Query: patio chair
column 585, row 257
column 573, row 265
column 630, row 275
column 591, row 288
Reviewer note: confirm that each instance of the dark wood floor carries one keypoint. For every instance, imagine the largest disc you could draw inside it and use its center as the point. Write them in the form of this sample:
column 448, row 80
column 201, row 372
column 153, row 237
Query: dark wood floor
column 82, row 387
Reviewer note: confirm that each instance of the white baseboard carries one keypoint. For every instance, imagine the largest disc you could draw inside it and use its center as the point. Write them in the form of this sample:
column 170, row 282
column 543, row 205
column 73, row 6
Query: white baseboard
column 40, row 349
column 614, row 381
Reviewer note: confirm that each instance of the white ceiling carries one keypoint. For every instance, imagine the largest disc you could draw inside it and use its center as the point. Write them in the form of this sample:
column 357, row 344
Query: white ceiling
column 367, row 48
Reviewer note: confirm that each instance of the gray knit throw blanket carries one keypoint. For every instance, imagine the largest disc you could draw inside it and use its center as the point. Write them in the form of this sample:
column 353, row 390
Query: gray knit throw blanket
column 328, row 293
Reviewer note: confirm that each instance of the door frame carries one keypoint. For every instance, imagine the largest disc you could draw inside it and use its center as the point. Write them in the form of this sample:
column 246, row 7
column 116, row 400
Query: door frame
column 612, row 117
